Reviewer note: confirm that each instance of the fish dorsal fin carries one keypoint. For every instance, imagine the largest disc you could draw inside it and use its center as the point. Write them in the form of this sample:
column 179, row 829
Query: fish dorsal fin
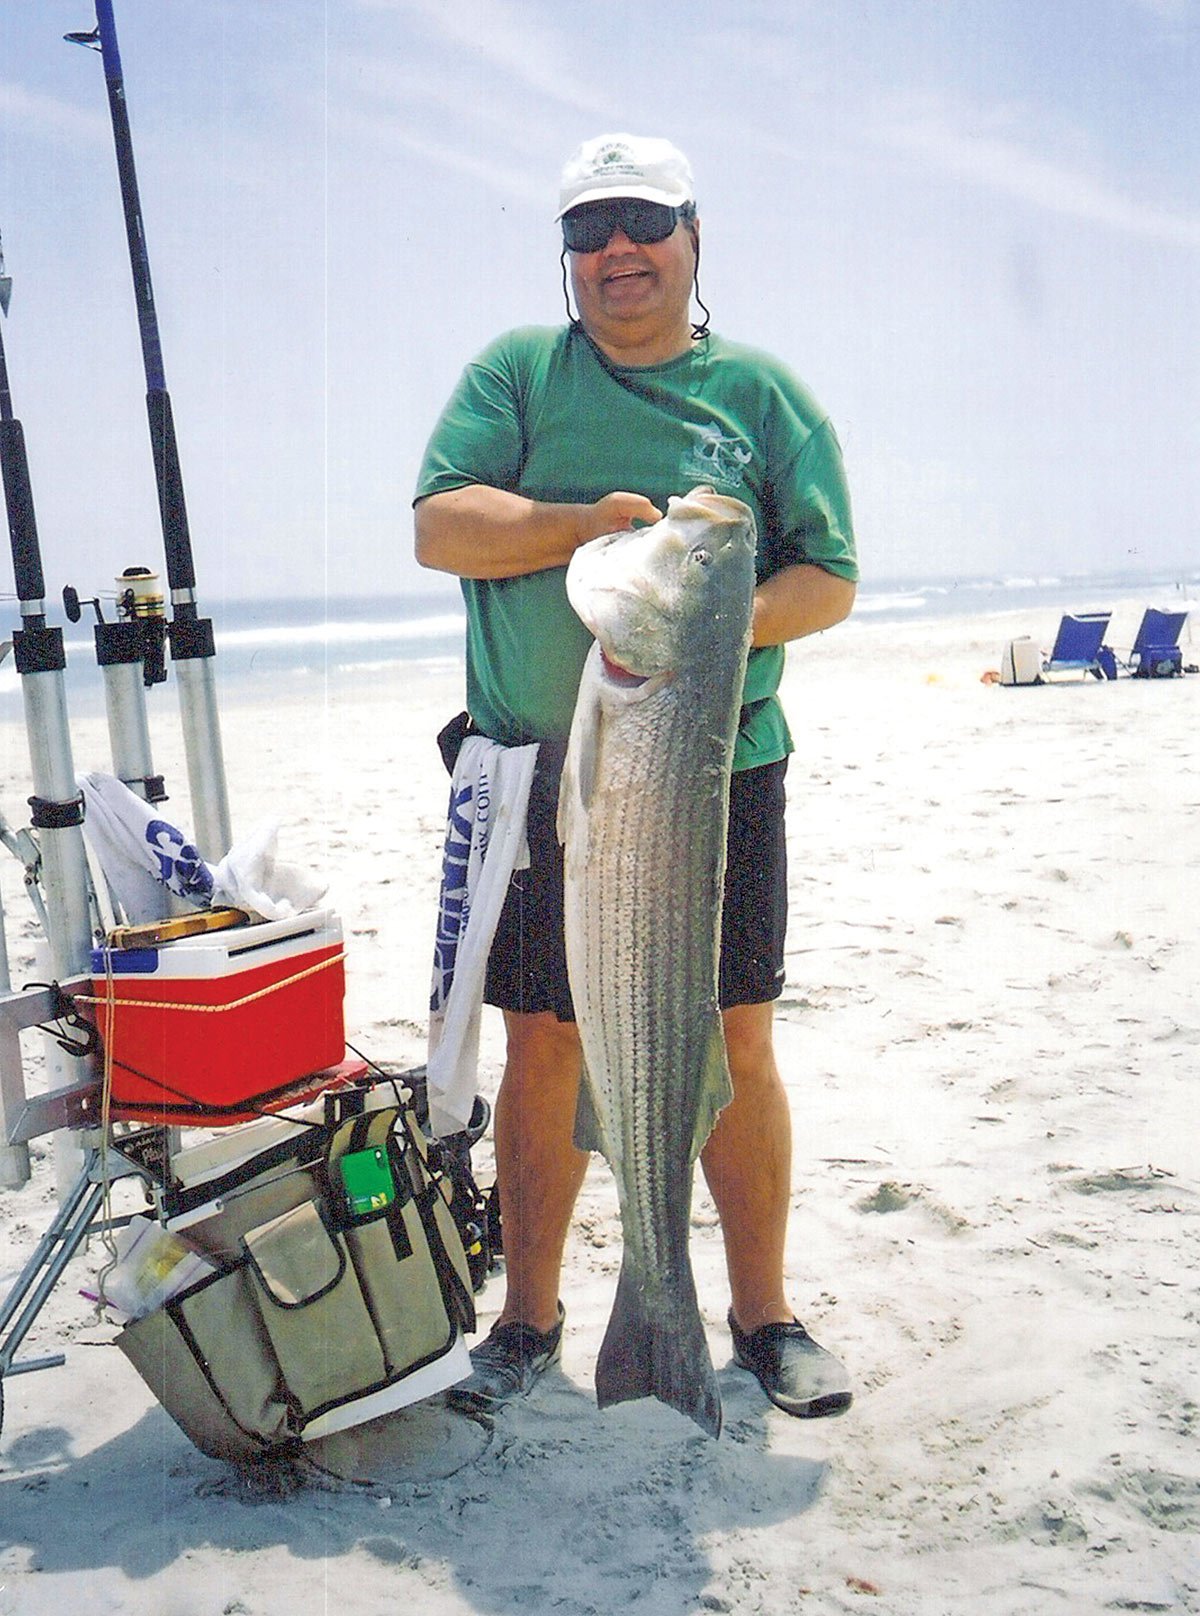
column 716, row 1090
column 588, row 1133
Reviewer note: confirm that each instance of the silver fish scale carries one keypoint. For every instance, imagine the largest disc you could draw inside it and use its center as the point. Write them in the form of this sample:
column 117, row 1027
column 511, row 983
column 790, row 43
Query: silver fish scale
column 649, row 912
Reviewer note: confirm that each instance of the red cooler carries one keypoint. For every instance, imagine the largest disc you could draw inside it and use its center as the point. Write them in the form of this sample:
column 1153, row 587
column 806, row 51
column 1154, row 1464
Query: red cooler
column 208, row 1029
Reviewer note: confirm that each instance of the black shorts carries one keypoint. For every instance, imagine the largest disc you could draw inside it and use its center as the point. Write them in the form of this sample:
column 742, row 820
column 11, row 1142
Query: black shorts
column 527, row 968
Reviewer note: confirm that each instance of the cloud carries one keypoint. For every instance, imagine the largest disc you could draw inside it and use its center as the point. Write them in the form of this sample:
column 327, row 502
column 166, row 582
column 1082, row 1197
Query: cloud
column 1000, row 163
column 1168, row 10
column 491, row 86
column 381, row 92
column 507, row 38
column 511, row 181
column 32, row 113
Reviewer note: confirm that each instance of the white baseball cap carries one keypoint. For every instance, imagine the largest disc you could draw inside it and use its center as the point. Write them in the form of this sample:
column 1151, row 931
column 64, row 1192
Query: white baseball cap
column 626, row 165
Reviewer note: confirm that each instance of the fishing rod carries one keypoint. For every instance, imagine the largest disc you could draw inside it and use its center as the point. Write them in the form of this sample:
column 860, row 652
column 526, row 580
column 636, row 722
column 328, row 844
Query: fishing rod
column 57, row 807
column 190, row 636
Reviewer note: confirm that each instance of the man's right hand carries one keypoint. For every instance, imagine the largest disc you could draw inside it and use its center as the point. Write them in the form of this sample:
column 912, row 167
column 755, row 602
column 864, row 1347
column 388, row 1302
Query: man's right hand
column 614, row 514
column 482, row 532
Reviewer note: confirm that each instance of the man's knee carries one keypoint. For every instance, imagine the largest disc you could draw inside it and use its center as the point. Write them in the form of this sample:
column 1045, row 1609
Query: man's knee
column 749, row 1041
column 541, row 1048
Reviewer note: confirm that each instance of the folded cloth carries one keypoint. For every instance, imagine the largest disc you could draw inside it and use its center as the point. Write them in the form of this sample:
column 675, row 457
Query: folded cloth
column 143, row 856
column 485, row 843
column 250, row 877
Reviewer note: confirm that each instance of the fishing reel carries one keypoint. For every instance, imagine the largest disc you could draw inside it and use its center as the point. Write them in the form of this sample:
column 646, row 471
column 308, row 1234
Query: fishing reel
column 140, row 608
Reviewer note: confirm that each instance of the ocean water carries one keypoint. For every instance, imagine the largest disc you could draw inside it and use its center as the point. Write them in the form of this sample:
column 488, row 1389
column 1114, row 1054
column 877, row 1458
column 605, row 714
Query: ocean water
column 266, row 645
column 971, row 597
column 263, row 643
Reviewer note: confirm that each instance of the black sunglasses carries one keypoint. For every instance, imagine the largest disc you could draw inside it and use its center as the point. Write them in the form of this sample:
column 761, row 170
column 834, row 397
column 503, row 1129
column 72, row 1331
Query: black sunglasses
column 590, row 226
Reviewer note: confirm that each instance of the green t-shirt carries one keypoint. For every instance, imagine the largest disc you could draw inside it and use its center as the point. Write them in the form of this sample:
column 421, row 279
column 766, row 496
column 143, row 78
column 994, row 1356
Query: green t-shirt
column 543, row 413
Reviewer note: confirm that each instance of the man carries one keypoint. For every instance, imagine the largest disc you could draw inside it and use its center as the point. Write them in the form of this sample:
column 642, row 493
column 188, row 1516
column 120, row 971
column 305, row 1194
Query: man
column 553, row 437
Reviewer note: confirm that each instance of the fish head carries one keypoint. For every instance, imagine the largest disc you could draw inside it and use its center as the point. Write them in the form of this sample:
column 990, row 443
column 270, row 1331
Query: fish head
column 653, row 596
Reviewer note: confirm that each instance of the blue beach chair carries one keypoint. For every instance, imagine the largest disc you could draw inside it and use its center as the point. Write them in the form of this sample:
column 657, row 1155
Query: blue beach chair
column 1079, row 647
column 1156, row 653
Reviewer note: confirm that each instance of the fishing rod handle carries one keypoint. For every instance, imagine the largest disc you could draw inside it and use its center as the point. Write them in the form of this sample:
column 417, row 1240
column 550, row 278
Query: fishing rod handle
column 22, row 524
column 168, row 476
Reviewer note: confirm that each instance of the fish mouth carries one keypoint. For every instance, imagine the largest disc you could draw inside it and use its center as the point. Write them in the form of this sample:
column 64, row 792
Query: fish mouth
column 618, row 675
column 635, row 686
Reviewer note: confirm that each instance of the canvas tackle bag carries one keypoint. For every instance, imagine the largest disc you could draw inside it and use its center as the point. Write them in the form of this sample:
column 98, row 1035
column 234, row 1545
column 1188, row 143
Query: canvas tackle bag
column 322, row 1304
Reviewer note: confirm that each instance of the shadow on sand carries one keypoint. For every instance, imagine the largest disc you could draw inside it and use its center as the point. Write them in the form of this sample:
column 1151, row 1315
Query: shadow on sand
column 557, row 1505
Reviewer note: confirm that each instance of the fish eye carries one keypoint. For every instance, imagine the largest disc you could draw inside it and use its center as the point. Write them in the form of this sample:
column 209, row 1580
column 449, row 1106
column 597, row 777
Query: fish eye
column 702, row 557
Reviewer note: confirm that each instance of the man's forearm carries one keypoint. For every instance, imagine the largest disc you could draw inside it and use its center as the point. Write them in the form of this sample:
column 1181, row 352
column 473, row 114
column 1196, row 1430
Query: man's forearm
column 800, row 600
column 482, row 532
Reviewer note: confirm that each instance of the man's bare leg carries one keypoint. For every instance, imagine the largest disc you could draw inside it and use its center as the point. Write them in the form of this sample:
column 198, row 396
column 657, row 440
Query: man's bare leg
column 747, row 1162
column 538, row 1169
column 748, row 1165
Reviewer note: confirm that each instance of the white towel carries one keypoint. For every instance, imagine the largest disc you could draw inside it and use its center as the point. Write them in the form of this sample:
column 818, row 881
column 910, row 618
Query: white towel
column 485, row 843
column 250, row 877
column 144, row 857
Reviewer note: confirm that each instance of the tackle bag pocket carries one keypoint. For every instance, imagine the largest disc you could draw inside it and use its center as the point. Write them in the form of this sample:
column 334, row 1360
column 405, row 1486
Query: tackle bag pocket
column 408, row 1256
column 208, row 1360
column 399, row 1282
column 313, row 1309
column 434, row 1188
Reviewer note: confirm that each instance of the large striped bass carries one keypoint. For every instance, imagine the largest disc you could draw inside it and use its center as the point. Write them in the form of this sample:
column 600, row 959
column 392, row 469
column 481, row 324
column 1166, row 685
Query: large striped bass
column 643, row 813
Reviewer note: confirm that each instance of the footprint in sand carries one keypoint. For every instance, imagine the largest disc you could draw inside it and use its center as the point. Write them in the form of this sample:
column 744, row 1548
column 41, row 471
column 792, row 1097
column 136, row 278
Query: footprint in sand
column 893, row 1197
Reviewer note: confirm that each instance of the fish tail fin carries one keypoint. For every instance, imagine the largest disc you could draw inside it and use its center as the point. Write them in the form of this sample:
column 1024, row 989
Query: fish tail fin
column 660, row 1353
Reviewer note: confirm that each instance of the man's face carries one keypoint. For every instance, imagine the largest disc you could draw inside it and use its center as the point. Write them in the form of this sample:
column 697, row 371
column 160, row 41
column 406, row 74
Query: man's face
column 625, row 284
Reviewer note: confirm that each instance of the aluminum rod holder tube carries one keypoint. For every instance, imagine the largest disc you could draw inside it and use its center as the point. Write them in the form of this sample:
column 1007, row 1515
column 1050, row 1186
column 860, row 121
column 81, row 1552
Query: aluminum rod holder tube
column 119, row 648
column 206, row 772
column 57, row 814
column 119, row 653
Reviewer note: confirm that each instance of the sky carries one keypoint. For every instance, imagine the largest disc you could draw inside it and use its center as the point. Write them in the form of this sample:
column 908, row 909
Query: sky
column 971, row 226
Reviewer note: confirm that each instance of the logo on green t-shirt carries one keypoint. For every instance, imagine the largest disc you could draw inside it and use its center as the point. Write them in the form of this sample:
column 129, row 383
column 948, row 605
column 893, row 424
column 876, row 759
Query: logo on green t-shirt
column 715, row 458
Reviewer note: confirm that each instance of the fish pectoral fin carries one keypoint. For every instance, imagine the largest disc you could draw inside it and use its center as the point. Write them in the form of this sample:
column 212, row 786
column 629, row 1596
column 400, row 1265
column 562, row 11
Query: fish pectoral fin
column 578, row 780
column 588, row 1133
column 587, row 756
column 716, row 1089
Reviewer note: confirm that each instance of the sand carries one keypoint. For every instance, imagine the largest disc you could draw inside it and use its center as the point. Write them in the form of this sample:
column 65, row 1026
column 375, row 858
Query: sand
column 991, row 1045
